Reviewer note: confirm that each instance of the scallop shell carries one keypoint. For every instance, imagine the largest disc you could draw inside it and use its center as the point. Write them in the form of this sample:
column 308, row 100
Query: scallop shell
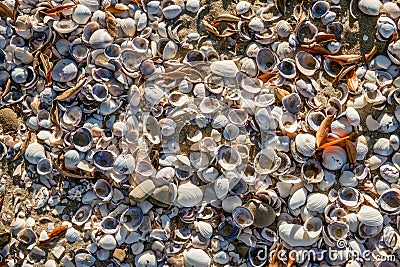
column 204, row 228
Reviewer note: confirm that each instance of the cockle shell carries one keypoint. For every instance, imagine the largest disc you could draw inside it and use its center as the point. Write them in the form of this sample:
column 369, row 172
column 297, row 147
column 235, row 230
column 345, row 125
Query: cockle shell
column 189, row 195
column 64, row 70
column 305, row 144
column 334, row 157
column 295, row 235
column 34, row 153
column 370, row 216
column 196, row 258
column 317, row 202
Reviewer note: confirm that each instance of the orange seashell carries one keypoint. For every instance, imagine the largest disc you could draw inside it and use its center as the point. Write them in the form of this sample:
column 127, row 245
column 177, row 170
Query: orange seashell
column 352, row 82
column 340, row 142
column 58, row 231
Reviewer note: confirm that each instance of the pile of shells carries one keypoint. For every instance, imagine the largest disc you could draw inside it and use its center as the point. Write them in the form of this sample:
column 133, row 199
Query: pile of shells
column 140, row 147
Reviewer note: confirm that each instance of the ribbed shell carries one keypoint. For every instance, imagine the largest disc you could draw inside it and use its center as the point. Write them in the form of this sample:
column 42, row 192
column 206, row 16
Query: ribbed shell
column 370, row 216
column 317, row 202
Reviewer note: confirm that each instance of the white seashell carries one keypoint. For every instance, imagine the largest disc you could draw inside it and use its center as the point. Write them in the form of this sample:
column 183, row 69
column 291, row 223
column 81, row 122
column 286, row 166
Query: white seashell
column 100, row 39
column 393, row 9
column 146, row 259
column 375, row 161
column 283, row 28
column 93, row 5
column 388, row 123
column 204, row 228
column 228, row 157
column 231, row 202
column 192, row 5
column 225, row 68
column 221, row 257
column 64, row 70
column 313, row 226
column 295, row 235
column 72, row 158
column 305, row 144
column 196, row 258
column 370, row 7
column 298, row 199
column 124, row 164
column 256, row 24
column 341, row 127
column 189, row 195
column 334, row 157
column 209, row 105
column 242, row 7
column 172, row 11
column 65, row 26
column 34, row 153
column 84, row 260
column 81, row 14
column 72, row 234
column 82, row 215
column 107, row 242
column 347, row 178
column 221, row 188
column 382, row 147
column 266, row 161
column 369, row 216
column 352, row 116
column 284, row 189
column 389, row 172
column 307, row 63
column 317, row 202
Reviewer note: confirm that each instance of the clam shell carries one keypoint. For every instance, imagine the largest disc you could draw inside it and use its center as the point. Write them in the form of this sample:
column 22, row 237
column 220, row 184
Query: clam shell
column 107, row 242
column 382, row 147
column 317, row 202
column 298, row 199
column 264, row 215
column 100, row 39
column 225, row 68
column 390, row 201
column 64, row 70
column 146, row 259
column 82, row 215
column 370, row 7
column 369, row 216
column 295, row 235
column 65, row 26
column 307, row 63
column 34, row 153
column 81, row 14
column 204, row 228
column 196, row 258
column 189, row 195
column 334, row 157
column 305, row 144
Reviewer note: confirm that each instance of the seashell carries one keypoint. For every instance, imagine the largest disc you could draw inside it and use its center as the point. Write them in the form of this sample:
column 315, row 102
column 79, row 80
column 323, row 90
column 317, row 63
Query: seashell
column 313, row 226
column 305, row 144
column 128, row 27
column 349, row 197
column 295, row 235
column 317, row 202
column 389, row 172
column 242, row 216
column 196, row 258
column 27, row 236
column 386, row 27
column 82, row 215
column 312, row 171
column 189, row 195
column 231, row 202
column 109, row 225
column 82, row 139
column 266, row 161
column 132, row 218
column 369, row 216
column 124, row 164
column 283, row 28
column 389, row 201
column 221, row 257
column 255, row 255
column 251, row 85
column 178, row 99
column 44, row 166
column 229, row 230
column 382, row 147
column 72, row 158
column 338, row 230
column 319, row 9
column 146, row 259
column 388, row 123
column 72, row 234
column 393, row 9
column 228, row 157
column 352, row 116
column 172, row 11
column 370, row 7
column 256, row 24
column 341, row 127
column 287, row 68
column 266, row 60
column 72, row 116
column 298, row 199
column 306, row 32
column 64, row 70
column 65, row 26
column 103, row 190
column 292, row 103
column 225, row 68
column 99, row 92
column 193, row 5
column 242, row 7
column 93, row 5
column 104, row 159
column 84, row 260
column 107, row 242
column 204, row 228
column 81, row 14
column 34, row 153
column 306, row 63
column 167, row 48
column 100, row 39
column 264, row 215
column 334, row 157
